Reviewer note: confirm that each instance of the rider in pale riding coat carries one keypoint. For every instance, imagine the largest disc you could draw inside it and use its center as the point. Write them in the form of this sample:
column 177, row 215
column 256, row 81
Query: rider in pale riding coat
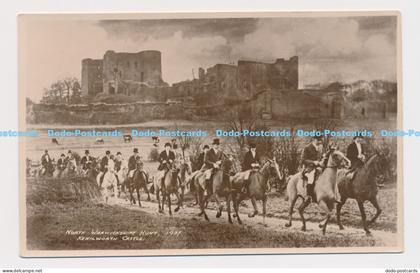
column 167, row 156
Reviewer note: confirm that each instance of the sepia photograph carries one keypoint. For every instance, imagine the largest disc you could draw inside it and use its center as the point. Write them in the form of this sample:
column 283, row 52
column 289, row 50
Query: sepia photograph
column 210, row 133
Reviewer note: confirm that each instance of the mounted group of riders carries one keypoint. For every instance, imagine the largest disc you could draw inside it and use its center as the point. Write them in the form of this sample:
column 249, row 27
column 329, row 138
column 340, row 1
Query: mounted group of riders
column 210, row 158
column 214, row 174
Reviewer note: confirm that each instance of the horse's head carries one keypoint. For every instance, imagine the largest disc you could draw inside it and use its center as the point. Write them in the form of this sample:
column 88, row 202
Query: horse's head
column 335, row 158
column 139, row 163
column 273, row 168
column 71, row 165
column 378, row 164
column 186, row 166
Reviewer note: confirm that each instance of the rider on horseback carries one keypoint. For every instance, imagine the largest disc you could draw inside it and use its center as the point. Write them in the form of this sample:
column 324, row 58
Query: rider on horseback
column 311, row 156
column 251, row 162
column 86, row 161
column 199, row 163
column 356, row 154
column 61, row 164
column 212, row 159
column 46, row 163
column 166, row 158
column 132, row 162
column 104, row 165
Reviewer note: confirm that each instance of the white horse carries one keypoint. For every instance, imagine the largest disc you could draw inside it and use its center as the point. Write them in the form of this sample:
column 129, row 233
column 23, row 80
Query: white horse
column 122, row 176
column 109, row 182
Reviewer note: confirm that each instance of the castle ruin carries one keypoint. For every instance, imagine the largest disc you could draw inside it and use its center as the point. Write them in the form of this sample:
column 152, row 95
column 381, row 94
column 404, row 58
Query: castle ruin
column 117, row 72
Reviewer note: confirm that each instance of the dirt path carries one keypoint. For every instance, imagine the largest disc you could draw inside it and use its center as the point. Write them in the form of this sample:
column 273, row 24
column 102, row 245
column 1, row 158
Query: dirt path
column 382, row 238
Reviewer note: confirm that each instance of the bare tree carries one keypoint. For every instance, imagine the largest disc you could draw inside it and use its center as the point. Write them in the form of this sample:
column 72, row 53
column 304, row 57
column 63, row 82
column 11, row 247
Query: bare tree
column 239, row 119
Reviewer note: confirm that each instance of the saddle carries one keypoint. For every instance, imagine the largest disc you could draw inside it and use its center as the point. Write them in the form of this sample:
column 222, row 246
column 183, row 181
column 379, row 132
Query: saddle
column 316, row 176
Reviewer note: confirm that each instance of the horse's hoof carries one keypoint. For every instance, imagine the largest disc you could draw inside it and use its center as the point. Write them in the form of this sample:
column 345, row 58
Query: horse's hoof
column 320, row 225
column 234, row 215
column 218, row 214
column 240, row 222
column 288, row 225
column 176, row 209
column 303, row 229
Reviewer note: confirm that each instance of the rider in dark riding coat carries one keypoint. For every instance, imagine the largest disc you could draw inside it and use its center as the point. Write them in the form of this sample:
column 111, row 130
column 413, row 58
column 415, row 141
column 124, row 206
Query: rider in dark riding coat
column 251, row 161
column 311, row 162
column 86, row 161
column 166, row 157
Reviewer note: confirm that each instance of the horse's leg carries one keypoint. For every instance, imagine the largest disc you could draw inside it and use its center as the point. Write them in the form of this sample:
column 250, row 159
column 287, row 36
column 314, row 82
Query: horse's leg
column 363, row 214
column 301, row 209
column 264, row 203
column 202, row 201
column 291, row 207
column 236, row 201
column 338, row 213
column 254, row 204
column 169, row 204
column 158, row 199
column 178, row 196
column 219, row 205
column 228, row 198
column 163, row 200
column 327, row 206
column 147, row 191
column 131, row 190
column 374, row 202
column 138, row 195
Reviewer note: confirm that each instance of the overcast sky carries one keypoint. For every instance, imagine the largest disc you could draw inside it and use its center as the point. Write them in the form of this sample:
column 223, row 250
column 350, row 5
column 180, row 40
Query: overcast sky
column 330, row 49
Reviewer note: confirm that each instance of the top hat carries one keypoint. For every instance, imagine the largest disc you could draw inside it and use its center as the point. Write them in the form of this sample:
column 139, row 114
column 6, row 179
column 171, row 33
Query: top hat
column 216, row 141
column 135, row 150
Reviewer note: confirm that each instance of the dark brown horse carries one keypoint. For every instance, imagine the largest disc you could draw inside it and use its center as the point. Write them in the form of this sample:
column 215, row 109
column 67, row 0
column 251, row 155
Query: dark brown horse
column 363, row 188
column 220, row 188
column 170, row 185
column 258, row 180
column 138, row 181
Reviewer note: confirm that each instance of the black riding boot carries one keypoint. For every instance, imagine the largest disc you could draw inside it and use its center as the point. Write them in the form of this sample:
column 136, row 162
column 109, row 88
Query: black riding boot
column 310, row 191
column 244, row 189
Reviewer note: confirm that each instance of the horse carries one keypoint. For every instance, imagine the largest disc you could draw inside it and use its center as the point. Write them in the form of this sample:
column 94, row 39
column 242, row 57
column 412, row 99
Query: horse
column 185, row 171
column 69, row 171
column 325, row 189
column 139, row 180
column 99, row 141
column 258, row 180
column 171, row 184
column 122, row 177
column 109, row 184
column 127, row 138
column 220, row 187
column 361, row 188
column 54, row 141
